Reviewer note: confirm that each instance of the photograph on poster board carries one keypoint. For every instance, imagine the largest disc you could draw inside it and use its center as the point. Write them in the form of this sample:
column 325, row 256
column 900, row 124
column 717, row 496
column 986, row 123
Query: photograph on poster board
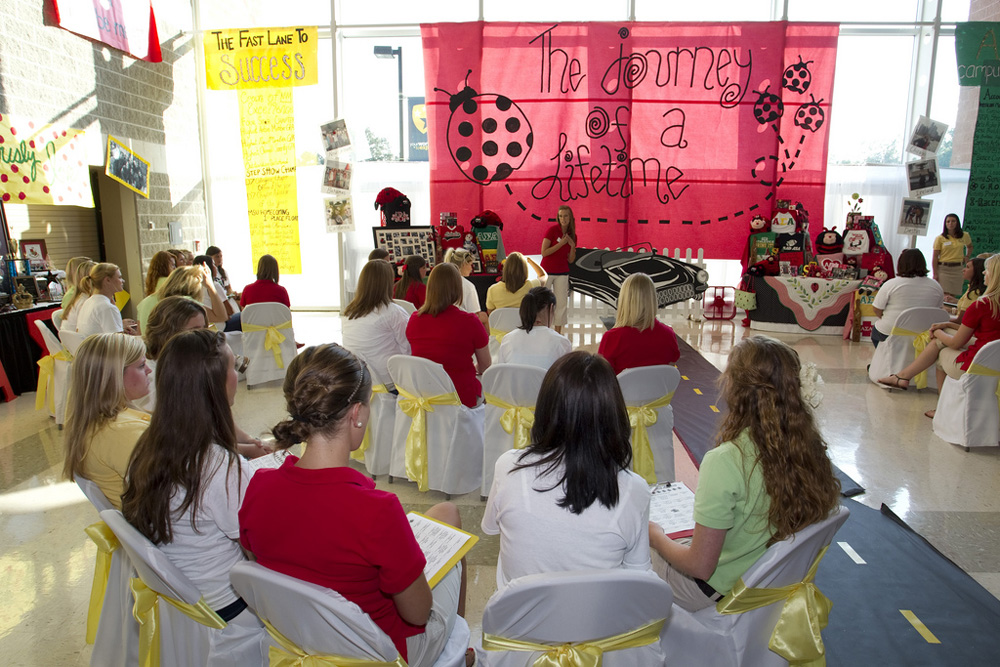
column 339, row 215
column 36, row 254
column 914, row 216
column 127, row 168
column 335, row 136
column 336, row 178
column 927, row 137
column 401, row 243
column 922, row 177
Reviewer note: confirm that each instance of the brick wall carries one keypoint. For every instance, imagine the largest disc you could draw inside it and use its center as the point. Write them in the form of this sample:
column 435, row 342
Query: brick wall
column 52, row 75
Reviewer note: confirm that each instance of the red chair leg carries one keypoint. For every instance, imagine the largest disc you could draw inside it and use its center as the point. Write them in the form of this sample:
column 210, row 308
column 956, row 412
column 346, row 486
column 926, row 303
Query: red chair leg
column 5, row 388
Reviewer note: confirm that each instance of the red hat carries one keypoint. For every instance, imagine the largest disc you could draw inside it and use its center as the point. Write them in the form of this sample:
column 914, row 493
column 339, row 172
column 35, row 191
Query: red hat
column 487, row 218
column 387, row 196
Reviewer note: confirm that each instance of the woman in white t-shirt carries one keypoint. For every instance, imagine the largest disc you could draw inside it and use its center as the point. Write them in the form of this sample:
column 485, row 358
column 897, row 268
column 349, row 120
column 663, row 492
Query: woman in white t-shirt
column 534, row 343
column 99, row 314
column 186, row 481
column 911, row 288
column 462, row 258
column 374, row 328
column 569, row 501
column 81, row 292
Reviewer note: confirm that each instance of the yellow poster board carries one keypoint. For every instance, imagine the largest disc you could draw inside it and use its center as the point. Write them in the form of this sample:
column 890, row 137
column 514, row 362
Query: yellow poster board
column 42, row 164
column 260, row 58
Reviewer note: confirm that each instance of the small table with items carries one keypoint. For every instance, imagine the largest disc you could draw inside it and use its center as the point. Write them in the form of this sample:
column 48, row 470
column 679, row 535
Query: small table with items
column 21, row 345
column 797, row 304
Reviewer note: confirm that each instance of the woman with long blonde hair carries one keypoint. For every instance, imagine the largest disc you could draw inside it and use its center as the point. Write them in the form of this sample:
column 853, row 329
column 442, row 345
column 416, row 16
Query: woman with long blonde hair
column 768, row 477
column 195, row 282
column 72, row 278
column 108, row 374
column 99, row 313
column 514, row 282
column 462, row 258
column 373, row 326
column 81, row 292
column 638, row 338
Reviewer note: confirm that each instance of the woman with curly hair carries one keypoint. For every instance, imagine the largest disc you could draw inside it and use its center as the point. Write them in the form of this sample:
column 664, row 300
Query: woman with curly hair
column 768, row 478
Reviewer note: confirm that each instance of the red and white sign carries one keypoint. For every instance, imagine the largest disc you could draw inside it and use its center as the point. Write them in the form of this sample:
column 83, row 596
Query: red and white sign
column 127, row 25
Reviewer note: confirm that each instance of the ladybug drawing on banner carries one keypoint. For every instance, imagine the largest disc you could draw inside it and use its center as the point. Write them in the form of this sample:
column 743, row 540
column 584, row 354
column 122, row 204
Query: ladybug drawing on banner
column 797, row 77
column 489, row 136
column 768, row 107
column 810, row 116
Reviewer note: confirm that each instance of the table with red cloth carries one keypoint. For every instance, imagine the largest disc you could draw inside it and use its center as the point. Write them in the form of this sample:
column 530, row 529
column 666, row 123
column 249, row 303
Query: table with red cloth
column 22, row 345
column 802, row 304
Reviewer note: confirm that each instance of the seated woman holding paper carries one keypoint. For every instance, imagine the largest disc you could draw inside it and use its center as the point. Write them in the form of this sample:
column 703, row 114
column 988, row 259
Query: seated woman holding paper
column 344, row 534
column 186, row 480
column 768, row 477
column 569, row 500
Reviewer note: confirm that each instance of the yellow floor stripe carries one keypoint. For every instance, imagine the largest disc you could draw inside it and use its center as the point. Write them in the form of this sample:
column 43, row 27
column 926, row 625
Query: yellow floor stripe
column 698, row 391
column 685, row 377
column 714, row 409
column 919, row 626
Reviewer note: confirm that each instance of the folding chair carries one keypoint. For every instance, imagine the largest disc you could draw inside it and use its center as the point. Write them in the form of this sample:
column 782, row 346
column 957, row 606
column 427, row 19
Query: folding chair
column 897, row 351
column 268, row 341
column 968, row 412
column 502, row 322
column 511, row 391
column 648, row 391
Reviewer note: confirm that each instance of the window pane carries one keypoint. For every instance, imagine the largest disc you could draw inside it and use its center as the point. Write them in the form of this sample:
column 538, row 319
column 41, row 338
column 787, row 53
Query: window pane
column 258, row 14
column 355, row 12
column 954, row 11
column 852, row 10
column 720, row 10
column 554, row 10
column 869, row 103
column 944, row 104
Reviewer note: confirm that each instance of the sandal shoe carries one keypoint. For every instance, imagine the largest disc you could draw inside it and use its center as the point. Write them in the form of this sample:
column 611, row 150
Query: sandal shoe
column 930, row 414
column 895, row 384
column 470, row 652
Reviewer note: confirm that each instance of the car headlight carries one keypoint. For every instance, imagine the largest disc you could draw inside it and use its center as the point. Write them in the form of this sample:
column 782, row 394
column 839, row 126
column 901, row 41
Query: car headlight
column 702, row 276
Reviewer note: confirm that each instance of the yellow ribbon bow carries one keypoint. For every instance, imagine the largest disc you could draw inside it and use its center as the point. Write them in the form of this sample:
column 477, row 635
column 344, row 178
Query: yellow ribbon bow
column 147, row 612
column 106, row 544
column 641, row 417
column 516, row 419
column 359, row 453
column 46, row 369
column 272, row 338
column 290, row 655
column 416, row 408
column 579, row 654
column 977, row 369
column 498, row 334
column 797, row 637
column 920, row 341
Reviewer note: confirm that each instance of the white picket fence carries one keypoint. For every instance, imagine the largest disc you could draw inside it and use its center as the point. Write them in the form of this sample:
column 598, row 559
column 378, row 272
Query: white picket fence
column 584, row 325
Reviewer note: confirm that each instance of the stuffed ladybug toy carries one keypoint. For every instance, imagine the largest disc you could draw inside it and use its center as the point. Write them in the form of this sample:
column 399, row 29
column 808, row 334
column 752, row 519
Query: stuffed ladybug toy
column 486, row 219
column 758, row 224
column 766, row 267
column 829, row 242
column 395, row 208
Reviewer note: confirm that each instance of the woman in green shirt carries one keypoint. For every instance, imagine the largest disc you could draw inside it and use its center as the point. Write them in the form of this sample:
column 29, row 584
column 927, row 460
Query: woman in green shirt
column 768, row 477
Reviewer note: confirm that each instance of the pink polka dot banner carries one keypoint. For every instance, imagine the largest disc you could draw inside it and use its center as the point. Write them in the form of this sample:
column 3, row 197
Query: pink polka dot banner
column 42, row 164
column 675, row 134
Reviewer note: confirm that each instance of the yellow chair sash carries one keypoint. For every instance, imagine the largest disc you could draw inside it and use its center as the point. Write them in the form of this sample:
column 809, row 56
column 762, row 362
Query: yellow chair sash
column 359, row 453
column 578, row 654
column 797, row 636
column 46, row 383
column 147, row 612
column 516, row 420
column 121, row 298
column 641, row 417
column 977, row 369
column 106, row 544
column 920, row 341
column 272, row 338
column 498, row 334
column 288, row 654
column 416, row 408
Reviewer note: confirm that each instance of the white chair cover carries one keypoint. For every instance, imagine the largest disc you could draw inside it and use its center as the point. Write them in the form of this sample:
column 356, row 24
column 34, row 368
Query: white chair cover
column 263, row 365
column 707, row 638
column 564, row 607
column 896, row 352
column 514, row 384
column 967, row 409
column 502, row 320
column 378, row 456
column 57, row 317
column 406, row 305
column 117, row 641
column 642, row 386
column 454, row 432
column 60, row 372
column 71, row 339
column 234, row 339
column 184, row 641
column 320, row 621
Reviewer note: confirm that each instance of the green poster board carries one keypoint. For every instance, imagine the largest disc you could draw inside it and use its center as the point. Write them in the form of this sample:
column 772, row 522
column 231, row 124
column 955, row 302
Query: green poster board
column 977, row 53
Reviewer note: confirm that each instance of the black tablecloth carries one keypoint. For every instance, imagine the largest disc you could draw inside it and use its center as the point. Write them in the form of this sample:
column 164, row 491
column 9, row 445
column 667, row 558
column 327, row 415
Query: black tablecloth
column 18, row 351
column 482, row 282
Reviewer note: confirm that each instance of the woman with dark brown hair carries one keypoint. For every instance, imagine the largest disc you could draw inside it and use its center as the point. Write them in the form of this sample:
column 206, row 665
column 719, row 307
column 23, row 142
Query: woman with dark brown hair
column 911, row 288
column 451, row 337
column 266, row 288
column 768, row 477
column 514, row 283
column 373, row 326
column 410, row 286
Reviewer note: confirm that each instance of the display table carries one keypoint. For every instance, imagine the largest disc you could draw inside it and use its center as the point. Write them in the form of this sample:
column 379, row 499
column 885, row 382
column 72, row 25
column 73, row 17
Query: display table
column 19, row 349
column 793, row 305
column 483, row 281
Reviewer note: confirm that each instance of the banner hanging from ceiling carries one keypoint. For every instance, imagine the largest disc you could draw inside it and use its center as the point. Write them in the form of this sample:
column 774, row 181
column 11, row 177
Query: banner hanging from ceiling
column 42, row 163
column 126, row 25
column 674, row 134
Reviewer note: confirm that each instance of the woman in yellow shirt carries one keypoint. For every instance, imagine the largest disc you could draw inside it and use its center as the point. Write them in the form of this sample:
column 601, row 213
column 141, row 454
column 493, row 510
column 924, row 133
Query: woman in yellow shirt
column 514, row 283
column 950, row 250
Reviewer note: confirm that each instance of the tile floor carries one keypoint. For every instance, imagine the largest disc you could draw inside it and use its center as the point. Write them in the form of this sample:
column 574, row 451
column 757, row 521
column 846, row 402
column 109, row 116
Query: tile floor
column 880, row 439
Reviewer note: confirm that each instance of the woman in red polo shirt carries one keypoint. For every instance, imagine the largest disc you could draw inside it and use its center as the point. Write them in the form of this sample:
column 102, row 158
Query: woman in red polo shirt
column 638, row 338
column 410, row 287
column 439, row 331
column 558, row 252
column 266, row 289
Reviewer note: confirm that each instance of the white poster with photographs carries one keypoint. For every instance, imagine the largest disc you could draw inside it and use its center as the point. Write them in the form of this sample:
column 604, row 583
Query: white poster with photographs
column 927, row 137
column 922, row 177
column 336, row 178
column 335, row 137
column 339, row 215
column 914, row 216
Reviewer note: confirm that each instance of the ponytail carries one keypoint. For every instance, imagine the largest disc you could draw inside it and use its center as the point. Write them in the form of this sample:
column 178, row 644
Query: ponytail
column 535, row 301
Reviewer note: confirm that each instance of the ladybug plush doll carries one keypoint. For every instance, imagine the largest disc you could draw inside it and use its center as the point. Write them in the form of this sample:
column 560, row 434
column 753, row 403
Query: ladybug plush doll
column 766, row 267
column 829, row 242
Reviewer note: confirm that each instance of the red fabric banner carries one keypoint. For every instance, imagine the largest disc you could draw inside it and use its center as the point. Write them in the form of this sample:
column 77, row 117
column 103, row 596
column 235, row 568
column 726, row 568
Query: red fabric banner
column 670, row 133
column 126, row 25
